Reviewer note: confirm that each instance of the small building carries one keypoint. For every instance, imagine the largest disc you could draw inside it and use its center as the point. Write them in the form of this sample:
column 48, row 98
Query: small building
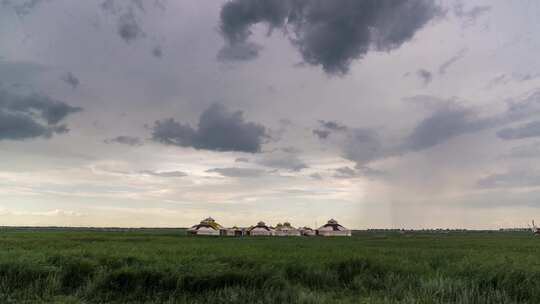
column 332, row 228
column 286, row 229
column 306, row 231
column 208, row 226
column 260, row 230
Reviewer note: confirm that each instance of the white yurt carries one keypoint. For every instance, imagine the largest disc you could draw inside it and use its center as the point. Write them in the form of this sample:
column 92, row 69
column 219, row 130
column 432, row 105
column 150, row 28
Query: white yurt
column 333, row 228
column 260, row 230
column 208, row 226
column 286, row 229
column 306, row 231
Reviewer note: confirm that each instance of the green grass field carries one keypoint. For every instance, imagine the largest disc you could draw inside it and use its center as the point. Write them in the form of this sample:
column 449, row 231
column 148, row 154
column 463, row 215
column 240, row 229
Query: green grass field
column 169, row 267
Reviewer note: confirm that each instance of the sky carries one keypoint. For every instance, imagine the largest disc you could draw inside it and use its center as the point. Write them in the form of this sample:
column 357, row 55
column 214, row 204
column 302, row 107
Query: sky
column 378, row 113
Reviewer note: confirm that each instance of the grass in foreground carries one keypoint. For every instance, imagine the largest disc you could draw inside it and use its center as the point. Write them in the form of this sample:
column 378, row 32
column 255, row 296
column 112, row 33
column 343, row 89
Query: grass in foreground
column 169, row 267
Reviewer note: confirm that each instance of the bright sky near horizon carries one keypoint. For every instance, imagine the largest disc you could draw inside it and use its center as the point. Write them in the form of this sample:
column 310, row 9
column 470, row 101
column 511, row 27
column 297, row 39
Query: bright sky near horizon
column 381, row 114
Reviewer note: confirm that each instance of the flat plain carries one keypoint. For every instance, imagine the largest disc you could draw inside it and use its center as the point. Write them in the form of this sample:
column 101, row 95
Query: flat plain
column 167, row 266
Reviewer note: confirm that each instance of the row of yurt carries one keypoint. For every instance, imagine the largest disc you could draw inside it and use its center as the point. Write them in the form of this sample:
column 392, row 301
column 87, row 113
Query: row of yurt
column 209, row 226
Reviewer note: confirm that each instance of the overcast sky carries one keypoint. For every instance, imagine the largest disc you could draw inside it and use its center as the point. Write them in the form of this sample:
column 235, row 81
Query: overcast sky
column 380, row 114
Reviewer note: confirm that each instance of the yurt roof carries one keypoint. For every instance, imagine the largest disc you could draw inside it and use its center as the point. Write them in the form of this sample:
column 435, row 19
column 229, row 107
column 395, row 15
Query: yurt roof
column 260, row 224
column 199, row 226
column 210, row 222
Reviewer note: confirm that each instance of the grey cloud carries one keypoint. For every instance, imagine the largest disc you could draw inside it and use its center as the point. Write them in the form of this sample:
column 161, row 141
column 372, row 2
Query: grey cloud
column 326, row 33
column 425, row 76
column 71, row 80
column 218, row 130
column 157, row 52
column 360, row 145
column 128, row 24
column 322, row 134
column 239, row 51
column 125, row 140
column 164, row 173
column 443, row 125
column 358, row 171
column 327, row 127
column 516, row 179
column 238, row 172
column 345, row 172
column 32, row 116
column 452, row 119
column 282, row 160
column 524, row 151
column 332, row 125
column 22, row 7
column 470, row 16
column 129, row 28
column 316, row 176
column 503, row 78
column 242, row 160
column 13, row 73
column 443, row 67
column 449, row 119
column 531, row 129
column 363, row 146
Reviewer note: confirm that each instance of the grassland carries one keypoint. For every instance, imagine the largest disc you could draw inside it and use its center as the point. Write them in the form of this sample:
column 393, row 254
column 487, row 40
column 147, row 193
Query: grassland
column 169, row 267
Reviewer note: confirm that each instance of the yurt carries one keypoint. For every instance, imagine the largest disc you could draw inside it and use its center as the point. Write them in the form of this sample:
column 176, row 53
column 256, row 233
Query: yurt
column 208, row 226
column 306, row 231
column 286, row 229
column 332, row 228
column 260, row 230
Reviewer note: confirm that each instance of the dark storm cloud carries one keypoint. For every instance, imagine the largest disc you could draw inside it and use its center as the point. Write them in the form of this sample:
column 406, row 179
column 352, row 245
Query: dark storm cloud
column 71, row 80
column 164, row 173
column 218, row 130
column 528, row 130
column 327, row 33
column 445, row 65
column 125, row 140
column 424, row 75
column 23, row 117
column 237, row 172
